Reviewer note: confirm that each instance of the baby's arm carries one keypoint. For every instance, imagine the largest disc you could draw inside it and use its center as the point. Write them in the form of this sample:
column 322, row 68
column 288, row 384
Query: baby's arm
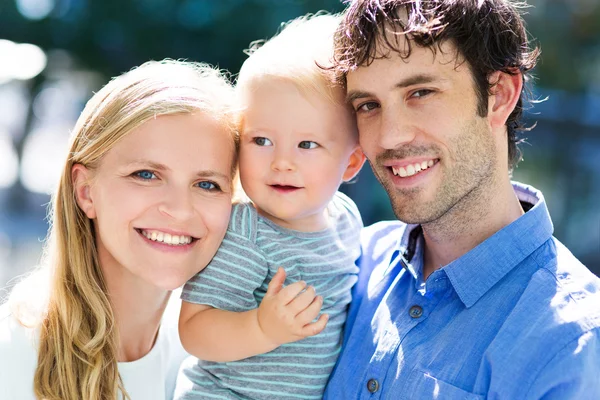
column 285, row 315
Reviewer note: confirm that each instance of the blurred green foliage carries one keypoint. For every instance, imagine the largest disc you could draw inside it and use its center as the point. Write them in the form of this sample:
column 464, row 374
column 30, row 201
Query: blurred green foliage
column 569, row 33
column 111, row 36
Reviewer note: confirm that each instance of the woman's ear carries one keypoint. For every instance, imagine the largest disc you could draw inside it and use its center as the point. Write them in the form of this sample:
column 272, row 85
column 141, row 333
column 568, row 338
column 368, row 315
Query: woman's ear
column 355, row 163
column 81, row 184
column 505, row 92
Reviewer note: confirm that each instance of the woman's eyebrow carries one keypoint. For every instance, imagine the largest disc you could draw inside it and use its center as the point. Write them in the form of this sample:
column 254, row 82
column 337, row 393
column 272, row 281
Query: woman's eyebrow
column 147, row 163
column 205, row 173
column 211, row 174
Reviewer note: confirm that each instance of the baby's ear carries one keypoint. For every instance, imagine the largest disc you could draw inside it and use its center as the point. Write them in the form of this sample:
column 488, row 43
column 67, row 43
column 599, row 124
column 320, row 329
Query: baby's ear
column 355, row 163
column 81, row 184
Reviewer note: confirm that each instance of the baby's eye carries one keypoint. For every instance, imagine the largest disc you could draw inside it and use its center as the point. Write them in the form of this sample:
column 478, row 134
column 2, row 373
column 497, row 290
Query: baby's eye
column 307, row 144
column 144, row 174
column 208, row 185
column 262, row 141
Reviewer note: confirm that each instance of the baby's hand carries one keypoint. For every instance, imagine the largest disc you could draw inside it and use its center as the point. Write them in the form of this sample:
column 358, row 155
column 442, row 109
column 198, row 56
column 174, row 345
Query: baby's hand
column 286, row 313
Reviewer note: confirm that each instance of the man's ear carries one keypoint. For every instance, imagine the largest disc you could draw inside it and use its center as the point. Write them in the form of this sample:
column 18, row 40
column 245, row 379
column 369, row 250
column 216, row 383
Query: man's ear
column 505, row 92
column 81, row 177
column 355, row 163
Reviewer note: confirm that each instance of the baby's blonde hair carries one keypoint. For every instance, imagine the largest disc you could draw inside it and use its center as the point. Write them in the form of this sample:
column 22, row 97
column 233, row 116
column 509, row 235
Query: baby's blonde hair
column 301, row 53
column 77, row 354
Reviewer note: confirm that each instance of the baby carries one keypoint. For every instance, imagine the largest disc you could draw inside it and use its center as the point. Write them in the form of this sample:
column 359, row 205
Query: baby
column 254, row 326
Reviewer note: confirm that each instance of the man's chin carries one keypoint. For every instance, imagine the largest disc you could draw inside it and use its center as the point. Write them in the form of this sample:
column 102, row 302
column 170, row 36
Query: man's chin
column 410, row 217
column 412, row 211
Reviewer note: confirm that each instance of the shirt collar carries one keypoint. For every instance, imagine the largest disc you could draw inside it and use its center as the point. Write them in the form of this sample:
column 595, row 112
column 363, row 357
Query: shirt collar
column 476, row 272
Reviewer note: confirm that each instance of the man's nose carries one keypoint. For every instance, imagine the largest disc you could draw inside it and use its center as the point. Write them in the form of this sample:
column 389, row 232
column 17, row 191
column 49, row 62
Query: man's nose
column 396, row 129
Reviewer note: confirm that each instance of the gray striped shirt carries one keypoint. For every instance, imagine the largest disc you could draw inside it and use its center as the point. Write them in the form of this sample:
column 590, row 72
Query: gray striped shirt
column 237, row 279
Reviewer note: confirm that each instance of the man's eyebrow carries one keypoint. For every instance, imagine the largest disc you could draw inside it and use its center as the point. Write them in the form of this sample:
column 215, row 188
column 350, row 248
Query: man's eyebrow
column 355, row 95
column 406, row 82
column 416, row 80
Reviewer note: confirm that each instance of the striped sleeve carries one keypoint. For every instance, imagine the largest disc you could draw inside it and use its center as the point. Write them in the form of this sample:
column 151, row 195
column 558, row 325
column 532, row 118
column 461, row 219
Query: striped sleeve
column 345, row 205
column 236, row 271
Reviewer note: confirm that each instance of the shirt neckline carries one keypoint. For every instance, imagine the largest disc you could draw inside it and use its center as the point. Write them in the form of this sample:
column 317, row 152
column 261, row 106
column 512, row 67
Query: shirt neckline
column 476, row 272
column 333, row 214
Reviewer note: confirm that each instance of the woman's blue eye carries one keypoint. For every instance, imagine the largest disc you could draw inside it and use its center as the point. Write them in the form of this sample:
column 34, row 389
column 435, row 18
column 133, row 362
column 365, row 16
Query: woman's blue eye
column 145, row 175
column 307, row 144
column 206, row 185
column 262, row 141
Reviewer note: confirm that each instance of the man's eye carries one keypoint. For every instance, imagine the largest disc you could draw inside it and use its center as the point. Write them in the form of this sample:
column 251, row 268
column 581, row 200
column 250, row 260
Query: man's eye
column 262, row 141
column 307, row 144
column 208, row 185
column 421, row 93
column 144, row 174
column 368, row 106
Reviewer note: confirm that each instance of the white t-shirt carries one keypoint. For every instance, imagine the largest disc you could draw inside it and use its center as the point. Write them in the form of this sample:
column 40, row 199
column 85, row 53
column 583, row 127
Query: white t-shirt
column 151, row 377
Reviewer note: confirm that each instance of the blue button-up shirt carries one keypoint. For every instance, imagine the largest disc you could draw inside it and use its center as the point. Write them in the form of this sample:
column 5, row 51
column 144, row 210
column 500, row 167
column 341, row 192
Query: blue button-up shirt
column 517, row 317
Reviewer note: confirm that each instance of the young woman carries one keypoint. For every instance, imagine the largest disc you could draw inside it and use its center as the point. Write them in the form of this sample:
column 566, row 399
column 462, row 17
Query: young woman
column 142, row 204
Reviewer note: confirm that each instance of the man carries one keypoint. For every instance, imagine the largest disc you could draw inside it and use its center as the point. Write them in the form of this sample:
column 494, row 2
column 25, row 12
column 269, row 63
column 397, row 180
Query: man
column 472, row 298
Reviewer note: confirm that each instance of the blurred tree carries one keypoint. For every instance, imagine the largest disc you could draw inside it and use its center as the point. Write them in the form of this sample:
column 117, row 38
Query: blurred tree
column 111, row 36
column 569, row 33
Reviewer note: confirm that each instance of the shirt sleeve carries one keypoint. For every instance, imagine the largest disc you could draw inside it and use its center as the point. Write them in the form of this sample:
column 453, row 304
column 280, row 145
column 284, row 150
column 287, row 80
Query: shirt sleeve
column 18, row 357
column 346, row 205
column 236, row 271
column 573, row 373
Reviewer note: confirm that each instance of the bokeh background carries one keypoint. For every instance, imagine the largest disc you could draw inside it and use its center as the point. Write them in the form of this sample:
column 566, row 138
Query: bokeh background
column 55, row 53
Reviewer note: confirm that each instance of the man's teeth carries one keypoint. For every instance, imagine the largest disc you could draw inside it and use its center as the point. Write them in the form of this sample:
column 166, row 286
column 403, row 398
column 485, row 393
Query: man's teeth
column 412, row 169
column 167, row 238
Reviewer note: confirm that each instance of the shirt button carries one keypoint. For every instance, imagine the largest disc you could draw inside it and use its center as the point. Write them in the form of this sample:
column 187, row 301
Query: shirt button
column 373, row 385
column 415, row 312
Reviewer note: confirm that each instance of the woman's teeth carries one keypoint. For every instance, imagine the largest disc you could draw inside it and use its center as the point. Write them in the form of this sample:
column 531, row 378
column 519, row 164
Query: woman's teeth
column 412, row 169
column 167, row 238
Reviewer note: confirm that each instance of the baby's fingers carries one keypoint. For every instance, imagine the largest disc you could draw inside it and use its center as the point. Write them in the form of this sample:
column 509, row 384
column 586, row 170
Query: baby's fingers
column 289, row 293
column 316, row 327
column 311, row 312
column 276, row 283
column 302, row 301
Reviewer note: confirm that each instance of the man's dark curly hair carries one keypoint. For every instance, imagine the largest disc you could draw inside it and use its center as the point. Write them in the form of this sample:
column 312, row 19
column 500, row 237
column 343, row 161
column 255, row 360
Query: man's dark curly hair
column 489, row 36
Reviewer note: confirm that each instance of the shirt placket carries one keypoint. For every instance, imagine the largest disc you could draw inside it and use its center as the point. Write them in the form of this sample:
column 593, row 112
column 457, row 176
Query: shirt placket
column 414, row 310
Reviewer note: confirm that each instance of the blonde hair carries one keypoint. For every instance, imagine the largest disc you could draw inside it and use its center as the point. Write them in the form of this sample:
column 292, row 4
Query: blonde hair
column 77, row 356
column 301, row 53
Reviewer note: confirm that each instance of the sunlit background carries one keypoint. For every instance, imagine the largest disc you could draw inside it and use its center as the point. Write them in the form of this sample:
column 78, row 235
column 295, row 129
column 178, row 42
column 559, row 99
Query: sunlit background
column 55, row 53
